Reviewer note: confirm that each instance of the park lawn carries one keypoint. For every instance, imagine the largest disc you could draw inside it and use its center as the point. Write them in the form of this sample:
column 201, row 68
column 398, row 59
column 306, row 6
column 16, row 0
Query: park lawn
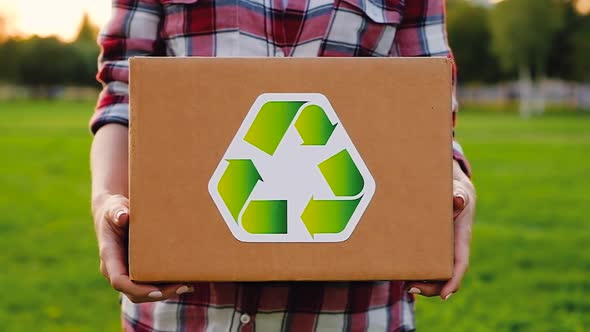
column 530, row 266
column 48, row 254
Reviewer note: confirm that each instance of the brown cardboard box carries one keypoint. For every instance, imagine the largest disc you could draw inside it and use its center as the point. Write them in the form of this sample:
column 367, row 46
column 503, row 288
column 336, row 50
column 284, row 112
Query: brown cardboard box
column 189, row 226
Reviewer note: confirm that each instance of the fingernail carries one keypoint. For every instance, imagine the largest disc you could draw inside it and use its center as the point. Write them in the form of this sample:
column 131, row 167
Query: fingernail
column 414, row 290
column 119, row 214
column 463, row 199
column 447, row 297
column 184, row 289
column 155, row 294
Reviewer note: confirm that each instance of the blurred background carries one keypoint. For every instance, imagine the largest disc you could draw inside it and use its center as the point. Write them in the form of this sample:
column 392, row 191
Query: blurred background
column 524, row 91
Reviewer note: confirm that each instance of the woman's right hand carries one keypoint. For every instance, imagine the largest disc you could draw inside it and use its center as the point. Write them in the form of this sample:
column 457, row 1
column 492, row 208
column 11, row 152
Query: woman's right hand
column 111, row 220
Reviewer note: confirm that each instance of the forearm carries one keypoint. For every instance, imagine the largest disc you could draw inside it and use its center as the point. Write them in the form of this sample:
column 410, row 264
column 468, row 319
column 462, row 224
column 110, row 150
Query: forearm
column 108, row 162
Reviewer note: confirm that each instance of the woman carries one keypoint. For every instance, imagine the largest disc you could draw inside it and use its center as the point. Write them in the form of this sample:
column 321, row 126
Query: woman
column 257, row 28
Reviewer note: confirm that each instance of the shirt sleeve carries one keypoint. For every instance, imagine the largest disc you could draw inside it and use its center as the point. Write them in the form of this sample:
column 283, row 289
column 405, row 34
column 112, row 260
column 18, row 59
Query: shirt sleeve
column 132, row 30
column 422, row 32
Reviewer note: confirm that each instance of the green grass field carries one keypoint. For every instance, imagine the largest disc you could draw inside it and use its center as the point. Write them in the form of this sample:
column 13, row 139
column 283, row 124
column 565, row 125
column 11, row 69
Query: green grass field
column 530, row 266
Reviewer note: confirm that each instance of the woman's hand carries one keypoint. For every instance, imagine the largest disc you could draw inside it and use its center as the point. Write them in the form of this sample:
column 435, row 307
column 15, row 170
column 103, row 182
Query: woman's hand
column 111, row 218
column 463, row 209
column 108, row 160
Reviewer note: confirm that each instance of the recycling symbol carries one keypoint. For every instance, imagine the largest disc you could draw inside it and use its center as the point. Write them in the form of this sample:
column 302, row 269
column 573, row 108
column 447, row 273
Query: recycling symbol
column 291, row 173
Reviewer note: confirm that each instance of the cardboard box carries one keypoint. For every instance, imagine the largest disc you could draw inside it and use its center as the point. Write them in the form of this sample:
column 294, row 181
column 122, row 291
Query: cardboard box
column 331, row 168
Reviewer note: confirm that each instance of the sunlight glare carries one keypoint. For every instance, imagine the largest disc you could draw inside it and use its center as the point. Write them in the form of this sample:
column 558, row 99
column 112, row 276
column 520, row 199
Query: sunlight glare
column 55, row 17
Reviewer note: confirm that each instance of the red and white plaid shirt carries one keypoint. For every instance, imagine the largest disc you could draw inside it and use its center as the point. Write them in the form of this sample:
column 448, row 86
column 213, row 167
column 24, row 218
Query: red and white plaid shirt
column 274, row 28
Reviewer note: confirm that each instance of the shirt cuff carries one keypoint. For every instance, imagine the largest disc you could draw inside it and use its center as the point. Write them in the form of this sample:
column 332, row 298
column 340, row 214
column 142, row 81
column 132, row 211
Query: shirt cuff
column 116, row 113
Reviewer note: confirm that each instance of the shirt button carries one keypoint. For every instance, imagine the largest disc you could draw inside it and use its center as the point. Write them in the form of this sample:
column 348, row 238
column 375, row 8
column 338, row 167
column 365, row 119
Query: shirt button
column 245, row 319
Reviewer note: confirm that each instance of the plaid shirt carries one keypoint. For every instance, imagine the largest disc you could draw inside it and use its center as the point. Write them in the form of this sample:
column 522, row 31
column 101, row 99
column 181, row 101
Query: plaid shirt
column 267, row 28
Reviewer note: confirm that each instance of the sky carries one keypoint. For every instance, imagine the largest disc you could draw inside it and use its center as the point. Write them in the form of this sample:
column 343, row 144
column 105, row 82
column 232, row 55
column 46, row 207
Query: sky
column 52, row 17
column 62, row 17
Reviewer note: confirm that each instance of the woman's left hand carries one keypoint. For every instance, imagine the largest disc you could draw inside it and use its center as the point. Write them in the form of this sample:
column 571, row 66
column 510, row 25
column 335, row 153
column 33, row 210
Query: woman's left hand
column 463, row 210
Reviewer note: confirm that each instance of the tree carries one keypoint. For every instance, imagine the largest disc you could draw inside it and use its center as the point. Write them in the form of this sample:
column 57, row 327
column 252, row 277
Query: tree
column 10, row 56
column 10, row 50
column 46, row 63
column 469, row 38
column 86, row 50
column 560, row 62
column 581, row 52
column 522, row 31
column 85, row 64
column 87, row 31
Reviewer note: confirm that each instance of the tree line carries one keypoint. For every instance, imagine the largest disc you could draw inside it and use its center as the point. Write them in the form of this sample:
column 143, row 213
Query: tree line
column 526, row 39
column 48, row 61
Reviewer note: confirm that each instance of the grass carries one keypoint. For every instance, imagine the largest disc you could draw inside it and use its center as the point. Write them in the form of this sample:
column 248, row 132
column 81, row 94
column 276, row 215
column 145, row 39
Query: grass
column 530, row 266
column 48, row 253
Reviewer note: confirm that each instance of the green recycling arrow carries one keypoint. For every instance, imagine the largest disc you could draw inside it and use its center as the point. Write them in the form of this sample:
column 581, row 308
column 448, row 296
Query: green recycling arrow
column 237, row 183
column 265, row 217
column 271, row 124
column 328, row 216
column 342, row 175
column 313, row 126
column 265, row 128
